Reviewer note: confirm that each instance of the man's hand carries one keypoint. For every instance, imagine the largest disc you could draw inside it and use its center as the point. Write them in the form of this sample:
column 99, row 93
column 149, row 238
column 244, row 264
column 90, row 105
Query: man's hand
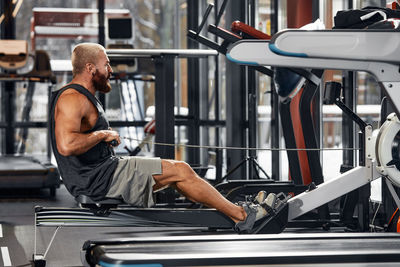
column 112, row 137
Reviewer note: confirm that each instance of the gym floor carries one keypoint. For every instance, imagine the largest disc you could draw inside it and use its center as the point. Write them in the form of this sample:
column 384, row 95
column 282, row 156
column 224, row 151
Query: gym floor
column 17, row 230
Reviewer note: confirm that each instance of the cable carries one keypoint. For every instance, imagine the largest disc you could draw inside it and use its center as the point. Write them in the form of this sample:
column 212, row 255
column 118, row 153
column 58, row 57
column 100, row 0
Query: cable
column 236, row 148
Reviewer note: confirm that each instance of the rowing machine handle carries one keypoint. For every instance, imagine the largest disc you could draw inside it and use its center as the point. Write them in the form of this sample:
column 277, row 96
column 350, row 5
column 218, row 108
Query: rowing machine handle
column 114, row 143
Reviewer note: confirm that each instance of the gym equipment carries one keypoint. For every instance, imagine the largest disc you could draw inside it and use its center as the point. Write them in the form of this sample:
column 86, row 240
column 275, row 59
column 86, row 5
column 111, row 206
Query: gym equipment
column 336, row 49
column 262, row 53
column 19, row 171
column 149, row 130
column 299, row 166
column 252, row 250
column 229, row 37
column 114, row 213
column 110, row 212
column 301, row 49
column 390, row 206
column 356, row 249
column 13, row 54
column 28, row 172
column 164, row 61
column 41, row 69
column 296, row 88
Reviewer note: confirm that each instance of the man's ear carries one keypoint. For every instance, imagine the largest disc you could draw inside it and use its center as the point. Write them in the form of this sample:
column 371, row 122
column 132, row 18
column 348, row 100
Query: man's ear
column 90, row 68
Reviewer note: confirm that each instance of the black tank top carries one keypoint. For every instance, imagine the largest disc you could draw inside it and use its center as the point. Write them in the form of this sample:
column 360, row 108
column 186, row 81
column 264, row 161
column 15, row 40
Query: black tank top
column 90, row 173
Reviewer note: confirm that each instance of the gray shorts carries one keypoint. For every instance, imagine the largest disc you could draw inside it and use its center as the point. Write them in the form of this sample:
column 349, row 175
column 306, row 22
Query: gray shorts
column 133, row 180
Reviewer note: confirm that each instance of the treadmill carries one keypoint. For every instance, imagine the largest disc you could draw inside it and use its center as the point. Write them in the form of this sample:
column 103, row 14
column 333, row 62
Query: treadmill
column 28, row 172
column 18, row 170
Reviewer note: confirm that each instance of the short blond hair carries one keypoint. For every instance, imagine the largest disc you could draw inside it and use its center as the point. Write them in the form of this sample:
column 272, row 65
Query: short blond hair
column 84, row 53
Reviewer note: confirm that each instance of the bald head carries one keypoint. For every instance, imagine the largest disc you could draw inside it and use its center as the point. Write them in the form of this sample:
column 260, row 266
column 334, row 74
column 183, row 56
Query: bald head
column 85, row 53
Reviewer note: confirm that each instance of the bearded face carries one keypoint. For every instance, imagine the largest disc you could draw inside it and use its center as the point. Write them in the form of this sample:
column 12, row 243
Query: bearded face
column 101, row 82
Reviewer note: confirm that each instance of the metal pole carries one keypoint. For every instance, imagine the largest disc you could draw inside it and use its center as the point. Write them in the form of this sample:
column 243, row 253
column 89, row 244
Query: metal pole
column 164, row 100
column 193, row 68
column 252, row 105
column 8, row 96
column 275, row 118
column 101, row 39
column 218, row 152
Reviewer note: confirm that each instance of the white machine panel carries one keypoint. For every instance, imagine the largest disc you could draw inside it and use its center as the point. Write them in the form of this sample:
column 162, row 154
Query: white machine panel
column 381, row 46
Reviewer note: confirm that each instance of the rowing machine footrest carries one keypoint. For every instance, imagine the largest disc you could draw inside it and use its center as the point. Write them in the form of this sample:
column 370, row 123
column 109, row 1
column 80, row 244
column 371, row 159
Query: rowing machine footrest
column 276, row 223
column 100, row 207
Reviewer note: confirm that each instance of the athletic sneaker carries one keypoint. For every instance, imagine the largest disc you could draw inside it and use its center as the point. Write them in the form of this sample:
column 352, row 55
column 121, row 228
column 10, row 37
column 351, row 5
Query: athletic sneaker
column 267, row 201
column 262, row 207
column 270, row 202
column 261, row 196
column 254, row 212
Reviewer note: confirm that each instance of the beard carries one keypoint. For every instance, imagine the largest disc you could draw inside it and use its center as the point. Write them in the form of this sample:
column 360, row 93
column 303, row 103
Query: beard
column 101, row 83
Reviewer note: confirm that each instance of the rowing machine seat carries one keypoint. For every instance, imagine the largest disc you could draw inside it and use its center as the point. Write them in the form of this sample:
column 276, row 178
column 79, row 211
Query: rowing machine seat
column 85, row 200
column 100, row 207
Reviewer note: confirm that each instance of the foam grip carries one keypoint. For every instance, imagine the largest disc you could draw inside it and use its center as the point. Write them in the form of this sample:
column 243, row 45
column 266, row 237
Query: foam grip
column 135, row 151
column 238, row 26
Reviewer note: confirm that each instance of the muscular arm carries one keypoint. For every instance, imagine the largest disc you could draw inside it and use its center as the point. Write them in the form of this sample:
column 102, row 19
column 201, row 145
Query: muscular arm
column 74, row 114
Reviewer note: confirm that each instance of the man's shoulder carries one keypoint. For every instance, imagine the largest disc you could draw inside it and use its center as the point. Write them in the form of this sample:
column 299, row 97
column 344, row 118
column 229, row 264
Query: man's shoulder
column 68, row 93
column 70, row 98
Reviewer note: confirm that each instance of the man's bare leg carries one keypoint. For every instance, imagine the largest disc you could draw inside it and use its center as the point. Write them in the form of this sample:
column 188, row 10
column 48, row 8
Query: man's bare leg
column 181, row 176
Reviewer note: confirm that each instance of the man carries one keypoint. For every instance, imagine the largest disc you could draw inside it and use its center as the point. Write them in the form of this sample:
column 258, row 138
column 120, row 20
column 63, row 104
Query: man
column 80, row 137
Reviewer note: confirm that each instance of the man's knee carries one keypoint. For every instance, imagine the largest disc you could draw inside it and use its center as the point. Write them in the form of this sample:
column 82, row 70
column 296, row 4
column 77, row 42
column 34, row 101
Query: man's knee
column 185, row 169
column 176, row 167
column 182, row 167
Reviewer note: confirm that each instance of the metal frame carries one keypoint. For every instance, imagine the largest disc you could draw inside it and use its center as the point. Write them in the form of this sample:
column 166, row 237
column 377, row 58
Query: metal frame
column 164, row 60
column 236, row 34
column 198, row 93
column 236, row 104
column 245, row 83
column 217, row 107
column 193, row 80
column 276, row 131
column 241, row 87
